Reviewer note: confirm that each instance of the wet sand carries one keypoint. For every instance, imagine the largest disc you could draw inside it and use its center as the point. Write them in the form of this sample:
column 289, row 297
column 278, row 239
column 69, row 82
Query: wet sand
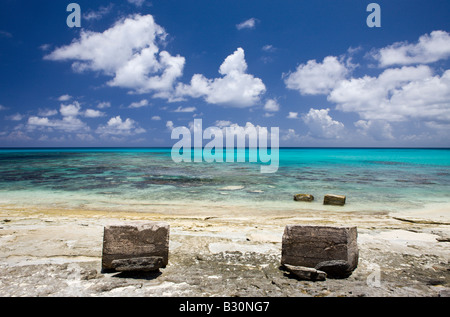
column 221, row 251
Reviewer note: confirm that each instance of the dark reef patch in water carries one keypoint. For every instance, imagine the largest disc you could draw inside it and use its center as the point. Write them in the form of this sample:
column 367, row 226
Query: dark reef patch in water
column 179, row 181
column 387, row 162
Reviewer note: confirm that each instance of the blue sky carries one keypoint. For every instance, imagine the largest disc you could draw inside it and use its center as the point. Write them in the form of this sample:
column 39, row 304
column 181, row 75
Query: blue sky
column 138, row 68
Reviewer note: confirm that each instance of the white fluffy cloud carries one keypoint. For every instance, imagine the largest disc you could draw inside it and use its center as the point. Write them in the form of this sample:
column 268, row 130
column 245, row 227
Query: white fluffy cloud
column 321, row 125
column 377, row 129
column 247, row 24
column 97, row 15
column 69, row 122
column 71, row 110
column 139, row 104
column 91, row 113
column 272, row 105
column 47, row 112
column 185, row 109
column 103, row 105
column 269, row 48
column 315, row 78
column 66, row 124
column 169, row 125
column 247, row 133
column 290, row 135
column 65, row 97
column 137, row 3
column 118, row 127
column 407, row 90
column 223, row 123
column 15, row 117
column 128, row 52
column 430, row 48
column 235, row 87
column 397, row 94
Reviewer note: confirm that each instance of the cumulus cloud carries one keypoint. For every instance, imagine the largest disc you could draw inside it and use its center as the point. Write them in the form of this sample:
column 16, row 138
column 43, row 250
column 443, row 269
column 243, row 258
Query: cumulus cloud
column 246, row 135
column 97, row 15
column 315, row 78
column 91, row 113
column 290, row 135
column 128, row 52
column 292, row 115
column 245, row 131
column 397, row 94
column 15, row 117
column 223, row 123
column 118, row 127
column 71, row 110
column 322, row 125
column 235, row 87
column 45, row 47
column 169, row 125
column 69, row 122
column 47, row 112
column 430, row 48
column 139, row 104
column 103, row 105
column 185, row 109
column 66, row 124
column 269, row 48
column 272, row 105
column 407, row 90
column 247, row 24
column 65, row 97
column 377, row 129
column 85, row 137
column 14, row 136
column 137, row 3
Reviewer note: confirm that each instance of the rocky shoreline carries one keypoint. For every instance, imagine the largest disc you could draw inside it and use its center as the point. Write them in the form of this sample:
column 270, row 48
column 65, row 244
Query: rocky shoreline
column 222, row 252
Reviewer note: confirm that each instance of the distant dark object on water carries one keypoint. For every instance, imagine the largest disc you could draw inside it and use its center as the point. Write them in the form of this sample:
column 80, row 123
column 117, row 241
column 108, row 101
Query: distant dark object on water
column 336, row 200
column 303, row 197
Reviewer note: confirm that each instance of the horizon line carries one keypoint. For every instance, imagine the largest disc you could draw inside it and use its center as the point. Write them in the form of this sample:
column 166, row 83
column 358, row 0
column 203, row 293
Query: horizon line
column 169, row 147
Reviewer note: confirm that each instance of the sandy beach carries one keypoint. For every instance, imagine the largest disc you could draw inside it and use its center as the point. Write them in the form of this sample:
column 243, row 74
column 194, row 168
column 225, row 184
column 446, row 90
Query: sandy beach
column 221, row 251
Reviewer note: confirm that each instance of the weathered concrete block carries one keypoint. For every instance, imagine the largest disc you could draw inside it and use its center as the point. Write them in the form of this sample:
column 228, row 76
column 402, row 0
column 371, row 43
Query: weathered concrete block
column 310, row 245
column 135, row 240
column 303, row 197
column 335, row 268
column 147, row 264
column 306, row 273
column 337, row 200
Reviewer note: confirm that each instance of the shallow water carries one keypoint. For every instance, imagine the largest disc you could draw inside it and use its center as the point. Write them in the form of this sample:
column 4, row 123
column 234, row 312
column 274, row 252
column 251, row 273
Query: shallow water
column 372, row 179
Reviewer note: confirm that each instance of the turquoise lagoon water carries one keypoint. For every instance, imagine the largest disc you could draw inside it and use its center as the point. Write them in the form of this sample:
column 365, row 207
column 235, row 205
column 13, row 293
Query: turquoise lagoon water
column 133, row 178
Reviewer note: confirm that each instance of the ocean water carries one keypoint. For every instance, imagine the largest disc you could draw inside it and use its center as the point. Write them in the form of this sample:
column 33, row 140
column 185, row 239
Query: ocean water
column 134, row 178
